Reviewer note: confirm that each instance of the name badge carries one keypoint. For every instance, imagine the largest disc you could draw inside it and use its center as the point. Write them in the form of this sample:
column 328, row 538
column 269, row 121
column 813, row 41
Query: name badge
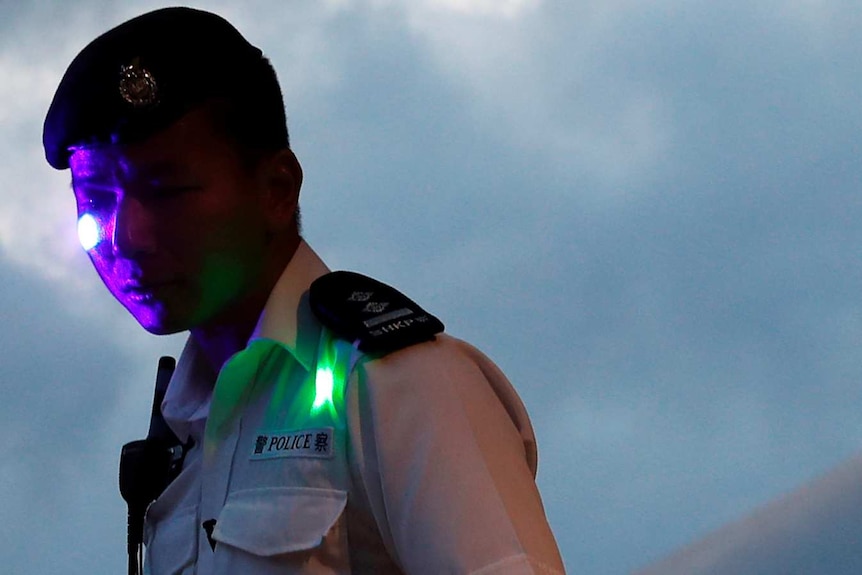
column 303, row 443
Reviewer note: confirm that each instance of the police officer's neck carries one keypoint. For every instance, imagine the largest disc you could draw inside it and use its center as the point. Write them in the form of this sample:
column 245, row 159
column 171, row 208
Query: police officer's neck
column 218, row 343
column 229, row 333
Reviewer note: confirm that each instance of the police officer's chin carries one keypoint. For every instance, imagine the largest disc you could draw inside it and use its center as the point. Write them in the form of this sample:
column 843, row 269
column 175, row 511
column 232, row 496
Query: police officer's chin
column 163, row 329
column 156, row 321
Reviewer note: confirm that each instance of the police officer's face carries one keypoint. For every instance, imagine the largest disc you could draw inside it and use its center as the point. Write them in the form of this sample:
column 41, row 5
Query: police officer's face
column 183, row 232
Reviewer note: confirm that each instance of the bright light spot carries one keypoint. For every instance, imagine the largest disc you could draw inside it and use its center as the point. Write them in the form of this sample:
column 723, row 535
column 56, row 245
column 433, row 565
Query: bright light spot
column 88, row 232
column 324, row 383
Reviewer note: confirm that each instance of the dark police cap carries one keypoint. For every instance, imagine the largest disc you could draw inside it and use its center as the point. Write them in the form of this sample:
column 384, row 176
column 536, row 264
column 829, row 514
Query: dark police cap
column 141, row 76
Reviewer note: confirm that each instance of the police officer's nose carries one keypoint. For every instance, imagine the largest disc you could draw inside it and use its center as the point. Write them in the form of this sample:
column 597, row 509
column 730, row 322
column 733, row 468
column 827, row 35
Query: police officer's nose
column 132, row 234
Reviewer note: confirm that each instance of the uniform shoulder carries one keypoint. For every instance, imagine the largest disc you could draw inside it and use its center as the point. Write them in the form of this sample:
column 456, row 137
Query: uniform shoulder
column 377, row 317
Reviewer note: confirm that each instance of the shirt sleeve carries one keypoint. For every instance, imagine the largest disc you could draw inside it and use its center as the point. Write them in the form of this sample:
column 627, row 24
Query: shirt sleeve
column 446, row 457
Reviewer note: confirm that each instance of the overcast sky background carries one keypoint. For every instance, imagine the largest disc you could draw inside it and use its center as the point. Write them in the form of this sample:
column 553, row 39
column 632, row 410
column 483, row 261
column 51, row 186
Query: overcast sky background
column 645, row 212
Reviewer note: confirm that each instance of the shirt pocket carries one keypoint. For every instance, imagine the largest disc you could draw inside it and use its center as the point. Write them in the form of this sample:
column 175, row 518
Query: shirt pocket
column 171, row 544
column 264, row 530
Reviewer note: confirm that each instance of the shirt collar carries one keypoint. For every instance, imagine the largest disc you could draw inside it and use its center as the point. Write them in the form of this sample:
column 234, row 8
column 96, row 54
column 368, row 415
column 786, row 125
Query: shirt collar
column 286, row 318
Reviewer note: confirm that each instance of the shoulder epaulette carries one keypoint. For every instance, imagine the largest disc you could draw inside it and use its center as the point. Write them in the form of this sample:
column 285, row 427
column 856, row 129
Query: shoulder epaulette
column 357, row 307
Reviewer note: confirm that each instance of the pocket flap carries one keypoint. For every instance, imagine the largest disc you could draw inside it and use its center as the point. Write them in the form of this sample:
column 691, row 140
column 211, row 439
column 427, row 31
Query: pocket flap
column 275, row 520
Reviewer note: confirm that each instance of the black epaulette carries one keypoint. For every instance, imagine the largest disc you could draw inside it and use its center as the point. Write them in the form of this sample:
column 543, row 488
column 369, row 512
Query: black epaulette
column 357, row 307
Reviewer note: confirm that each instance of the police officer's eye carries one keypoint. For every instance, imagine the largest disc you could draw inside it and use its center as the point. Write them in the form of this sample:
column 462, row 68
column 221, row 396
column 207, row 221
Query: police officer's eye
column 95, row 201
column 178, row 189
column 169, row 191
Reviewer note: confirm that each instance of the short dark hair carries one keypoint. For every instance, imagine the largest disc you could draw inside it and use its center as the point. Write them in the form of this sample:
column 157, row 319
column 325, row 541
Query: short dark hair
column 254, row 118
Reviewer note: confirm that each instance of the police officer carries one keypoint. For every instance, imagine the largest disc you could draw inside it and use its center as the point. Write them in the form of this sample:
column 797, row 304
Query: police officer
column 334, row 429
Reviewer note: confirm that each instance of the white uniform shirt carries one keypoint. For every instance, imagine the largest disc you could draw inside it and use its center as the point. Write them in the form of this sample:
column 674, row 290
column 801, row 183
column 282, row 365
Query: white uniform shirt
column 312, row 458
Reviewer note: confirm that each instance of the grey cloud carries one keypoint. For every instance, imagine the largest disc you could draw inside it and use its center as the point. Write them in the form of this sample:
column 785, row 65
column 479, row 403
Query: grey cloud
column 686, row 339
column 63, row 375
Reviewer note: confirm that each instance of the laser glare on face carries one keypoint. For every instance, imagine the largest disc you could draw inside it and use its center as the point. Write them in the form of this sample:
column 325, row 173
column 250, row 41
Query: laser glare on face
column 89, row 233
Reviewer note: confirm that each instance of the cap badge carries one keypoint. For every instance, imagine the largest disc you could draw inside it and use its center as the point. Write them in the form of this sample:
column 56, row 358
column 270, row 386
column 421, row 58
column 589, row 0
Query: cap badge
column 137, row 85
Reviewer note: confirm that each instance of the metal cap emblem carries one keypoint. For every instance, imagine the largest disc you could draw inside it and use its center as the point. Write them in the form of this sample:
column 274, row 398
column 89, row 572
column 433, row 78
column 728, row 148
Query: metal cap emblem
column 137, row 85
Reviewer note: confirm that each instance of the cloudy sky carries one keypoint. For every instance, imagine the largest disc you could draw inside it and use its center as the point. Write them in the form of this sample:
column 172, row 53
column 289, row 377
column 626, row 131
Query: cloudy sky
column 645, row 212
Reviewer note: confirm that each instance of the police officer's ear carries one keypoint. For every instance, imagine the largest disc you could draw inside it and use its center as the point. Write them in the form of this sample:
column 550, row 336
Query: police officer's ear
column 282, row 180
